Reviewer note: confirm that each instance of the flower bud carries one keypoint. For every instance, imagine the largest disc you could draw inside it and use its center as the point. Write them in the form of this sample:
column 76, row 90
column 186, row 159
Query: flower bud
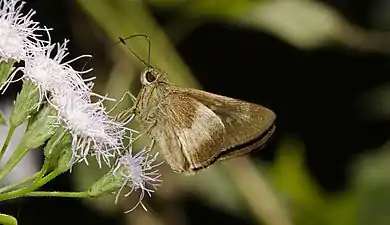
column 138, row 172
column 26, row 102
column 42, row 128
column 108, row 184
column 6, row 68
column 59, row 142
column 65, row 161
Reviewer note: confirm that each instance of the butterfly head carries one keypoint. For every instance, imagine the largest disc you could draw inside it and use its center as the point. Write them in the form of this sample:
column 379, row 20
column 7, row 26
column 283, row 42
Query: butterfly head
column 152, row 76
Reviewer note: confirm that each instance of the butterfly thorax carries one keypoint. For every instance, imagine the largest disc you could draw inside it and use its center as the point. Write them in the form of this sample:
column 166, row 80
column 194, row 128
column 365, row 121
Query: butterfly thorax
column 149, row 97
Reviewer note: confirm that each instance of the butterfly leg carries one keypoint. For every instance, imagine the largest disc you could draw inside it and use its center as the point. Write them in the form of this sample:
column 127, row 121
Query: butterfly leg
column 149, row 148
column 128, row 114
column 132, row 97
column 146, row 127
column 125, row 116
column 146, row 130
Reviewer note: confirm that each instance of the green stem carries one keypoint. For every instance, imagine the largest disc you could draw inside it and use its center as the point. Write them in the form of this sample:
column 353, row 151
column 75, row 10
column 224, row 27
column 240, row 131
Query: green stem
column 28, row 189
column 83, row 194
column 23, row 181
column 19, row 153
column 7, row 140
column 7, row 220
column 37, row 176
column 43, row 170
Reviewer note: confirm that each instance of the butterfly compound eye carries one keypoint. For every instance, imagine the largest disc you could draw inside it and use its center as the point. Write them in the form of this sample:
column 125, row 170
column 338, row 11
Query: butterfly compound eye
column 149, row 76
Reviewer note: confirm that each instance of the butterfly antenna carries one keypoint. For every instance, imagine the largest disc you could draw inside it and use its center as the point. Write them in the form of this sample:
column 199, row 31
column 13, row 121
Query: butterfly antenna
column 123, row 41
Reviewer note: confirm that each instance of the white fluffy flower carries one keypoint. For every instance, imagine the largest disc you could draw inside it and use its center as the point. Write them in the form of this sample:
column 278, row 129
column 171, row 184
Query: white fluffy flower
column 51, row 74
column 138, row 171
column 94, row 132
column 18, row 35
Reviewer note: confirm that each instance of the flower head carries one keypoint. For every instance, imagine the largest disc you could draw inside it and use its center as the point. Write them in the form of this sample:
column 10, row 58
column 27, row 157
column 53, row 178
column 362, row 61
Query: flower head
column 18, row 35
column 94, row 132
column 138, row 171
column 53, row 75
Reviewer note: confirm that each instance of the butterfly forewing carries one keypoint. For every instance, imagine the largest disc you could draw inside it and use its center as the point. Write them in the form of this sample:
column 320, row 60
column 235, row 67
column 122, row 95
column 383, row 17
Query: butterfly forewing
column 189, row 134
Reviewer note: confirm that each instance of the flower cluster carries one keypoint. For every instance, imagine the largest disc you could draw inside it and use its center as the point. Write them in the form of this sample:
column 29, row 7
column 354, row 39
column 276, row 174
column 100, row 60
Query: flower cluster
column 94, row 132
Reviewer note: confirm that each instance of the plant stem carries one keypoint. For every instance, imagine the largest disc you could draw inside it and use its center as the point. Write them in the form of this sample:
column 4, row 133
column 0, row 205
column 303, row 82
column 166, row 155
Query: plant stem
column 83, row 194
column 43, row 170
column 30, row 188
column 7, row 140
column 37, row 176
column 253, row 187
column 22, row 181
column 7, row 220
column 19, row 153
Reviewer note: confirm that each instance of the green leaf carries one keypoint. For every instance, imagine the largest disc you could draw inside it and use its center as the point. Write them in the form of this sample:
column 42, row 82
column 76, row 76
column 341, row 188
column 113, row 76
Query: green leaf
column 290, row 175
column 7, row 220
column 303, row 23
column 216, row 188
column 372, row 183
column 309, row 204
column 217, row 7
